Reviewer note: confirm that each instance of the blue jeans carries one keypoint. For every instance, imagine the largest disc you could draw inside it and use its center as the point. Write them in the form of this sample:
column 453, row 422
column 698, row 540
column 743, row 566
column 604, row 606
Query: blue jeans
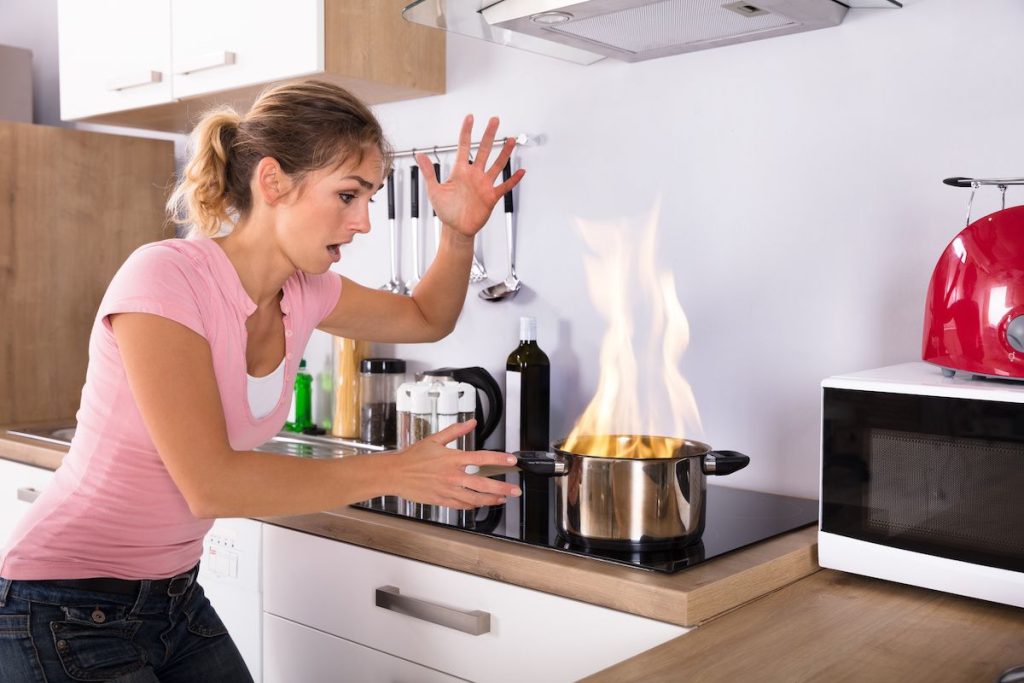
column 56, row 633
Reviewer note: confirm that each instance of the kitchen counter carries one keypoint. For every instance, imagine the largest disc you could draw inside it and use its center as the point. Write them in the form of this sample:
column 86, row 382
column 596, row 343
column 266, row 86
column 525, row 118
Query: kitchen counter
column 751, row 604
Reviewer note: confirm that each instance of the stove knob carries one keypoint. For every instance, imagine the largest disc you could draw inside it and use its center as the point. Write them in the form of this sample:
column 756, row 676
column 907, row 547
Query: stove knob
column 1015, row 333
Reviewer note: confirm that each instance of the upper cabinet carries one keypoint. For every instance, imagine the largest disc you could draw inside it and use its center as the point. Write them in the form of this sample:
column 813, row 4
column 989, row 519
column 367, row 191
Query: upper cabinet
column 158, row 64
column 114, row 55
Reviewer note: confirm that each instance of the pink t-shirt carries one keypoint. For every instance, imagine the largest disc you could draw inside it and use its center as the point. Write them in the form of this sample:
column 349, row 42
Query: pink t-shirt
column 112, row 509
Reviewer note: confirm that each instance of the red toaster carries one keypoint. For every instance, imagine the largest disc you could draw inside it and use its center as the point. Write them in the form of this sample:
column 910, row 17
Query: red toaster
column 974, row 314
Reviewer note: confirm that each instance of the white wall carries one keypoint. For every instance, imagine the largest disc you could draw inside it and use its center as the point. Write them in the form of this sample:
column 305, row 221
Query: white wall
column 802, row 208
column 802, row 204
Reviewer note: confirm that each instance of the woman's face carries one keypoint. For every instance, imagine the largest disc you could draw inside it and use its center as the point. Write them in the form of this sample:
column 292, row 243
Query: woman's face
column 327, row 210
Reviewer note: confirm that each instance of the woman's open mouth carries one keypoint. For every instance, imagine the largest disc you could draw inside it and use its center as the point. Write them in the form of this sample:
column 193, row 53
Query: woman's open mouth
column 335, row 251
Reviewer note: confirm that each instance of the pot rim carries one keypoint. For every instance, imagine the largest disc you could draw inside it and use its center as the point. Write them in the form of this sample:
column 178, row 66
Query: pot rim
column 689, row 447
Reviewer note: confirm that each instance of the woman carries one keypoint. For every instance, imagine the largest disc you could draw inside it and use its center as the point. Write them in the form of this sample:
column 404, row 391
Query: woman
column 99, row 578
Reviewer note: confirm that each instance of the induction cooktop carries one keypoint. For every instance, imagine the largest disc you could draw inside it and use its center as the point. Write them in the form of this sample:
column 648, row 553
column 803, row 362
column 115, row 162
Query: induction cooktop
column 734, row 518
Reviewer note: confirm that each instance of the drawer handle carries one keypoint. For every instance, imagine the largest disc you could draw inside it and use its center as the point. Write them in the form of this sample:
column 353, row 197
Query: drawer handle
column 28, row 494
column 475, row 623
column 134, row 80
column 210, row 60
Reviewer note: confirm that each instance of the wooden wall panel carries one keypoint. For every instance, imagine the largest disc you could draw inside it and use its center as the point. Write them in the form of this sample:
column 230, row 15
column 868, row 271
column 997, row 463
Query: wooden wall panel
column 74, row 205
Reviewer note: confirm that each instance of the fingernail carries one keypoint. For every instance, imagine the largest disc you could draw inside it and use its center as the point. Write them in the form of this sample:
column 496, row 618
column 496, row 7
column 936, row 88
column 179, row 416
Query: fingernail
column 501, row 501
column 517, row 492
column 511, row 460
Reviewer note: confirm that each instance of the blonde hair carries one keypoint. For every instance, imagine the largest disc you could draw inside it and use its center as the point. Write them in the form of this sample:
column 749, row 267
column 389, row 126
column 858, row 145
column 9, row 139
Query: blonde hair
column 305, row 126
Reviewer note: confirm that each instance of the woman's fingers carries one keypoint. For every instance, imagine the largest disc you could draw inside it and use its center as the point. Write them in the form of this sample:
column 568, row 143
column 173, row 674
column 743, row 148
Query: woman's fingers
column 427, row 169
column 452, row 432
column 503, row 156
column 483, row 151
column 465, row 141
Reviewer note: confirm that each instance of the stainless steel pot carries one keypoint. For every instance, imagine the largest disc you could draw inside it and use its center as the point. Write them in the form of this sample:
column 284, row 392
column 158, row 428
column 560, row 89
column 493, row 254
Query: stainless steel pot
column 610, row 500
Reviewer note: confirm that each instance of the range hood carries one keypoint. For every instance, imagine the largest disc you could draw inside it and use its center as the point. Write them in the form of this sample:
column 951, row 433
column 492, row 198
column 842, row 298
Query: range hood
column 630, row 30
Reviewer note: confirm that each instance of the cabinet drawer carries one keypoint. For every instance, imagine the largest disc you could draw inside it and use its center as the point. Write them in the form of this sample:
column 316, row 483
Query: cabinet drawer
column 295, row 652
column 336, row 587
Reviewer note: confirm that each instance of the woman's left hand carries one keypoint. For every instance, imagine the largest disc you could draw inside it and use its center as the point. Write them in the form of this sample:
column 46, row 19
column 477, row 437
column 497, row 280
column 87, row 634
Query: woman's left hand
column 466, row 199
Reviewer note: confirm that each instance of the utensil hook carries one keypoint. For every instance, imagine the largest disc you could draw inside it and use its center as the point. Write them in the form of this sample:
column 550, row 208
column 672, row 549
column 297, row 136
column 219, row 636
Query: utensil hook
column 437, row 159
column 1002, row 188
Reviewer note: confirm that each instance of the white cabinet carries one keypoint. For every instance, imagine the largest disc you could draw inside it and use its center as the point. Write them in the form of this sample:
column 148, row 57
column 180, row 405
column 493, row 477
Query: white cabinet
column 300, row 653
column 428, row 614
column 20, row 484
column 158, row 64
column 229, row 573
column 235, row 43
column 113, row 55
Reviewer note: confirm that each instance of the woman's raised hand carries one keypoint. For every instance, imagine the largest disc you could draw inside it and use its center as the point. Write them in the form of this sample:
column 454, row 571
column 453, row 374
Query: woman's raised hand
column 428, row 472
column 466, row 199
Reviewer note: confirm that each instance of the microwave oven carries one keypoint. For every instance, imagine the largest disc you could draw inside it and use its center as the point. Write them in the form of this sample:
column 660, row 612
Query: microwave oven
column 922, row 480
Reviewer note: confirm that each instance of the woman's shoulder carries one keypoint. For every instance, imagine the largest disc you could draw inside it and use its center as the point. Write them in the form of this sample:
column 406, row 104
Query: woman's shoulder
column 164, row 257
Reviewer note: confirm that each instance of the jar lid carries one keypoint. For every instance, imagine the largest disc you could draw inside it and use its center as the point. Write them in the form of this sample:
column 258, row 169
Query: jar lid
column 420, row 401
column 381, row 366
column 467, row 400
column 403, row 397
column 448, row 399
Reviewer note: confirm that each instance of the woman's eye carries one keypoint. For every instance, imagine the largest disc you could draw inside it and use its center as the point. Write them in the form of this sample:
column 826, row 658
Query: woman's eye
column 346, row 197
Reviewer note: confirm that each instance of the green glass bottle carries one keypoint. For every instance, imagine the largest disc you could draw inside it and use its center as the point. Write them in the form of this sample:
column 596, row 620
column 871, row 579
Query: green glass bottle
column 301, row 414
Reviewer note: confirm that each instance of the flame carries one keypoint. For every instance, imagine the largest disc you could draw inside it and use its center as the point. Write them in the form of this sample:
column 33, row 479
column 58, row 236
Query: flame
column 617, row 423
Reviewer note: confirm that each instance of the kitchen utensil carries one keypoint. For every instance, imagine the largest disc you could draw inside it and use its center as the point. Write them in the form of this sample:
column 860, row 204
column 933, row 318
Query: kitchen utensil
column 510, row 286
column 395, row 284
column 488, row 394
column 433, row 213
column 414, row 215
column 974, row 312
column 610, row 501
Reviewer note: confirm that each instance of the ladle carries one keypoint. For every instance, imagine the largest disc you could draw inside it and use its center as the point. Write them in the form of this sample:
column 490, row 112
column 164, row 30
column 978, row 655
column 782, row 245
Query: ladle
column 511, row 285
column 395, row 284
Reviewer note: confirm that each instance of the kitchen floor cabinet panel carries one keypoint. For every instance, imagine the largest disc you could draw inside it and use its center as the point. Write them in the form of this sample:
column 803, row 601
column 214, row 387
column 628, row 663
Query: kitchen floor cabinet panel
column 333, row 586
column 236, row 43
column 298, row 653
column 19, row 486
column 113, row 55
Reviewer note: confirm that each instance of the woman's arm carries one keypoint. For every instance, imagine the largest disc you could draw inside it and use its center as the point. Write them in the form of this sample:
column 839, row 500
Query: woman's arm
column 170, row 373
column 463, row 203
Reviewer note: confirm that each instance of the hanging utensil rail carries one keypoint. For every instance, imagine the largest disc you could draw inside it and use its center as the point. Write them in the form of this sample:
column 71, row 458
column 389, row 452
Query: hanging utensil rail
column 521, row 139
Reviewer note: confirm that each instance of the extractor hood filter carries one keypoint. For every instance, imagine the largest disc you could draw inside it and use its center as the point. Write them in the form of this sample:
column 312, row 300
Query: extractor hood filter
column 635, row 30
column 664, row 25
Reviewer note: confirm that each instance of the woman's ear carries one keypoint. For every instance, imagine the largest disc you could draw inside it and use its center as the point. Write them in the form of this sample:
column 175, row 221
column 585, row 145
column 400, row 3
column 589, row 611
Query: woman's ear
column 271, row 183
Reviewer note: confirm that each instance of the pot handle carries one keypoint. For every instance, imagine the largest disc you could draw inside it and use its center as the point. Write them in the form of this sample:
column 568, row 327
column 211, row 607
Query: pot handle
column 724, row 462
column 540, row 463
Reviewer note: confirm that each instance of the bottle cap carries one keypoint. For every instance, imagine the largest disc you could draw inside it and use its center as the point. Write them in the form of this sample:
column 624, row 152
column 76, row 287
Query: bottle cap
column 448, row 399
column 527, row 329
column 380, row 366
column 467, row 400
column 420, row 403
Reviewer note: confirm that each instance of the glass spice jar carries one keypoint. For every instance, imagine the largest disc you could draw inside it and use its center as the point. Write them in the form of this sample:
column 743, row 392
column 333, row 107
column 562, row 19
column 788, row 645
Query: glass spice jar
column 379, row 379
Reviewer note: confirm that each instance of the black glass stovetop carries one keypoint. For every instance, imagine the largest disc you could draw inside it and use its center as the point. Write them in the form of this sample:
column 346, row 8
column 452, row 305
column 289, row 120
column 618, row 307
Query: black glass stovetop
column 734, row 518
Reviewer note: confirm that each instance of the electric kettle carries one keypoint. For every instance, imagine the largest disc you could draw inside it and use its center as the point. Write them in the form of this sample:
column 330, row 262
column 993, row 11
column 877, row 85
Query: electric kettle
column 487, row 389
column 974, row 313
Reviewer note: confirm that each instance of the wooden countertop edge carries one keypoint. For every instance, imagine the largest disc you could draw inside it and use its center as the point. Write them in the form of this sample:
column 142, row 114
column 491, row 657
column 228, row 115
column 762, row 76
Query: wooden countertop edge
column 687, row 599
column 834, row 626
column 31, row 451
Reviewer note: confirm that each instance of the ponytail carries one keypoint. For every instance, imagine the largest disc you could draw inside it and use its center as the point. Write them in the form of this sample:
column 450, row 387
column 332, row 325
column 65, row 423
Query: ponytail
column 201, row 201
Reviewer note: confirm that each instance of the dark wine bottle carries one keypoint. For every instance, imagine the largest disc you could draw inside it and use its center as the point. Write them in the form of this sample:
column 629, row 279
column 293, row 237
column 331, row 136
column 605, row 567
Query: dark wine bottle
column 527, row 393
column 527, row 428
